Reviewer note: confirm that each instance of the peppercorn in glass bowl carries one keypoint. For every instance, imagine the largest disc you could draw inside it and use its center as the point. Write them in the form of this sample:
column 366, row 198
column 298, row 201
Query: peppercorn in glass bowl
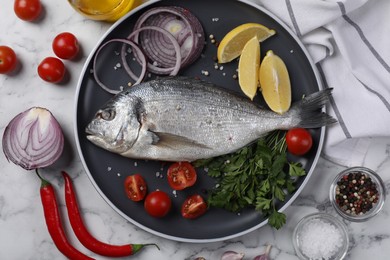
column 320, row 236
column 357, row 194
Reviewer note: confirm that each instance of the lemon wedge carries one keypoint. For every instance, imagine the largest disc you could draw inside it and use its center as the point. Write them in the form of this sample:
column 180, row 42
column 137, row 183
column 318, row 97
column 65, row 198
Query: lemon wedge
column 248, row 68
column 234, row 41
column 275, row 83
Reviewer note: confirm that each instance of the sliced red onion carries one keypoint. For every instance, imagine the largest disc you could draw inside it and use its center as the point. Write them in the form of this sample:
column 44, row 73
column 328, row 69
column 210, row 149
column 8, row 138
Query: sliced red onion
column 125, row 65
column 33, row 139
column 172, row 71
column 189, row 35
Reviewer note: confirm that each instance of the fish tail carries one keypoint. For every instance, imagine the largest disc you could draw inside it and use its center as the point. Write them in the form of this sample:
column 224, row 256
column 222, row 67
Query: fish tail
column 309, row 110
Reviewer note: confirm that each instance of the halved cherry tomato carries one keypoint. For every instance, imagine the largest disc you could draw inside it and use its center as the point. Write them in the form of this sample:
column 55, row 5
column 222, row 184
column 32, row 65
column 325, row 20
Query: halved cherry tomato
column 181, row 175
column 135, row 187
column 193, row 207
column 28, row 10
column 8, row 59
column 66, row 46
column 157, row 204
column 299, row 141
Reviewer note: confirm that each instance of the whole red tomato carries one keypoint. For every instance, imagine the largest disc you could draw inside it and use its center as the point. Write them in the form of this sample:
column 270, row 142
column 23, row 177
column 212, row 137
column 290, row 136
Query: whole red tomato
column 135, row 187
column 28, row 10
column 51, row 69
column 193, row 207
column 65, row 46
column 299, row 141
column 157, row 204
column 8, row 59
column 181, row 175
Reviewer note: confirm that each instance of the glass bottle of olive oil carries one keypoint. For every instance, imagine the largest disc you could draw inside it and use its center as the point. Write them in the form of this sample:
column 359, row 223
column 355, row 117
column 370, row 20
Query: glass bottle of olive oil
column 104, row 10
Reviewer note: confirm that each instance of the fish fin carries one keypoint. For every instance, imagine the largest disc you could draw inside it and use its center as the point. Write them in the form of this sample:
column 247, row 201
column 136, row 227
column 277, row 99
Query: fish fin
column 174, row 141
column 309, row 110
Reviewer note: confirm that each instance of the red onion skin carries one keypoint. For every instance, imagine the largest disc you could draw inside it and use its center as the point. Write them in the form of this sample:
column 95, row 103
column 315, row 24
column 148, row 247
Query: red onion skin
column 33, row 139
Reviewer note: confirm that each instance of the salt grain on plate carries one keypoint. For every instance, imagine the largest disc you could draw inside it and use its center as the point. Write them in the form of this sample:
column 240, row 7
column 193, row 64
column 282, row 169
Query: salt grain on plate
column 320, row 239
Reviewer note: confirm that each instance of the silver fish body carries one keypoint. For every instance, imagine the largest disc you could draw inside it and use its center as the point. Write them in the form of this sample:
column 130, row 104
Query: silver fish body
column 182, row 119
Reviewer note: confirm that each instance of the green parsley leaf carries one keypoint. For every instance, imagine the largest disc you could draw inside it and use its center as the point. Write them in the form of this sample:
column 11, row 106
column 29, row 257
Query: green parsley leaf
column 277, row 219
column 296, row 170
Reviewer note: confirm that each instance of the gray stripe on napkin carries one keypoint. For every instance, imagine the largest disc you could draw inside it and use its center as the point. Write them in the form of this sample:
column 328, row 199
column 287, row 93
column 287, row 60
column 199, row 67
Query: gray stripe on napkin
column 334, row 105
column 292, row 17
column 363, row 37
column 382, row 98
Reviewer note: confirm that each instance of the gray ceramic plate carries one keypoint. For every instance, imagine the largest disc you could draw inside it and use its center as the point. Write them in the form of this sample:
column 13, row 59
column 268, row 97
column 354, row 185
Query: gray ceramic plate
column 107, row 171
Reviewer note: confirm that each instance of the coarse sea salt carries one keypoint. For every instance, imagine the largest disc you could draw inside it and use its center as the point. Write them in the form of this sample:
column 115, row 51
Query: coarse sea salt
column 320, row 239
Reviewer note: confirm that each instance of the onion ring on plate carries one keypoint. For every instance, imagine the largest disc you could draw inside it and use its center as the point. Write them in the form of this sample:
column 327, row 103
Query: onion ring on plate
column 127, row 68
column 179, row 22
column 172, row 71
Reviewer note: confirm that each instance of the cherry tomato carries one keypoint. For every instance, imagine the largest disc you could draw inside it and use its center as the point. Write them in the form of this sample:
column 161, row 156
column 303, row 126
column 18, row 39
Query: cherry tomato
column 157, row 204
column 51, row 69
column 135, row 187
column 28, row 10
column 299, row 141
column 181, row 175
column 8, row 59
column 193, row 207
column 65, row 46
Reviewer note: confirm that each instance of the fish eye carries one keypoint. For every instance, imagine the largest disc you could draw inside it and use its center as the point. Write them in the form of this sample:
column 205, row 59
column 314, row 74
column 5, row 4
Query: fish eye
column 106, row 114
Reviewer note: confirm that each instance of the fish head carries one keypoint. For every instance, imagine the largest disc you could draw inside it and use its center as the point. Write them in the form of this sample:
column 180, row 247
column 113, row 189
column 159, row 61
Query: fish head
column 116, row 126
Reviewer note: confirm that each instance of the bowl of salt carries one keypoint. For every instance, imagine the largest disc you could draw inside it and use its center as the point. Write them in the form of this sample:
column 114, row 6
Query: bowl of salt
column 320, row 236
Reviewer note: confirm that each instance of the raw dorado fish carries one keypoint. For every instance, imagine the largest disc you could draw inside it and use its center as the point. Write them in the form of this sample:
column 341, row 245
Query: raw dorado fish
column 183, row 119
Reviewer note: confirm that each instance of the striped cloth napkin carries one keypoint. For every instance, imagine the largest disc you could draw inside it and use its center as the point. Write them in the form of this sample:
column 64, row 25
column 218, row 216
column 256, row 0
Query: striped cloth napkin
column 349, row 41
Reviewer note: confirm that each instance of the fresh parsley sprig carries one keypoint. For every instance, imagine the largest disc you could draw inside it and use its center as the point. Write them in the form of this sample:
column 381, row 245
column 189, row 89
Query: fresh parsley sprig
column 256, row 176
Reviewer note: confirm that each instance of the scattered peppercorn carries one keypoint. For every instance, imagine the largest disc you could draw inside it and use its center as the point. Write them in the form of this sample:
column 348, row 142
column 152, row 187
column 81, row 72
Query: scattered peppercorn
column 356, row 193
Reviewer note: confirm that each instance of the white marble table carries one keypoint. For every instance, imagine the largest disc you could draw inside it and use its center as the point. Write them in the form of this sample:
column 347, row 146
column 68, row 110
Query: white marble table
column 23, row 234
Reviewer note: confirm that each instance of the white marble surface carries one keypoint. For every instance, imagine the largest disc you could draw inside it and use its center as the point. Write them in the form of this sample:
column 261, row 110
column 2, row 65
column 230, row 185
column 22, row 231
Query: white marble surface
column 23, row 234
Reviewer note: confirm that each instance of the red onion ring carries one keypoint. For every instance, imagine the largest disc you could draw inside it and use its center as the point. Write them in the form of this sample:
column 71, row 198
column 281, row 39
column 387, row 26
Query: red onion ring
column 156, row 47
column 172, row 71
column 126, row 66
column 33, row 139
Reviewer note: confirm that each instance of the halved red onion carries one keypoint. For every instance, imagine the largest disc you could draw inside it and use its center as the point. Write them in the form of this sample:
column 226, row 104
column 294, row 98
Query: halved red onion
column 182, row 24
column 33, row 139
column 126, row 66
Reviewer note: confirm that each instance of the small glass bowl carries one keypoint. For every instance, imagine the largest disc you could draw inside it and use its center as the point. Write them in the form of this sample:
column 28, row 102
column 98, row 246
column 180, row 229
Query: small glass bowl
column 316, row 219
column 346, row 212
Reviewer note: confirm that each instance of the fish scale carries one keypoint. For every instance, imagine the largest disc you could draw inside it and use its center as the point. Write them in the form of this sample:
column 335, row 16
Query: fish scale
column 183, row 119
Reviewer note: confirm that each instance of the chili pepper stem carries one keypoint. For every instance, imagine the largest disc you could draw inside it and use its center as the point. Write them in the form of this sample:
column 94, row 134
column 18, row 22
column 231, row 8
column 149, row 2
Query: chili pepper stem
column 137, row 247
column 44, row 182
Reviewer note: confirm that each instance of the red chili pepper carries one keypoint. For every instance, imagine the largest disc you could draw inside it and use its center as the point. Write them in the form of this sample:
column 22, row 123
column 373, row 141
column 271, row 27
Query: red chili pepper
column 83, row 234
column 53, row 222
